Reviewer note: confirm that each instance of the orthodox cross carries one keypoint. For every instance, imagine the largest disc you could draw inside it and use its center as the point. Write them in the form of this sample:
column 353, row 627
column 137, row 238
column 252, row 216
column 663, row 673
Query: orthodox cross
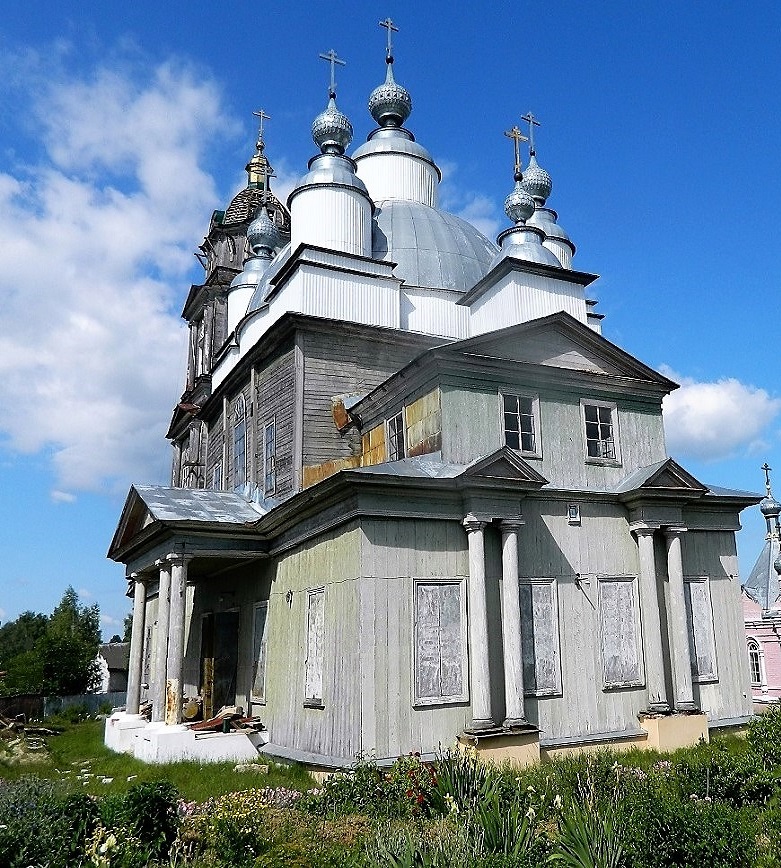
column 391, row 28
column 532, row 122
column 766, row 467
column 331, row 57
column 262, row 116
column 517, row 136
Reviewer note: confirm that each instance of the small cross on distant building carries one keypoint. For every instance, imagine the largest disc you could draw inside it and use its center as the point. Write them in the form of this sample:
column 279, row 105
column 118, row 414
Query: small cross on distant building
column 331, row 57
column 517, row 136
column 767, row 468
column 391, row 28
column 262, row 116
column 532, row 122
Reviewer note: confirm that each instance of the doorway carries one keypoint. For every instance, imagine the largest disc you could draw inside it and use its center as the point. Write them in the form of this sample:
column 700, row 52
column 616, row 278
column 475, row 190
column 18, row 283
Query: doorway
column 219, row 660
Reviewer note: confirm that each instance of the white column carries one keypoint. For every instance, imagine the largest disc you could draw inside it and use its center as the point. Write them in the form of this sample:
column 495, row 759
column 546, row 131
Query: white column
column 679, row 631
column 161, row 645
column 652, row 624
column 479, row 671
column 133, row 701
column 511, row 626
column 175, row 661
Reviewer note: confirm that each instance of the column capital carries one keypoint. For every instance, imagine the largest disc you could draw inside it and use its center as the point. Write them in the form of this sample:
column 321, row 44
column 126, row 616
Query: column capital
column 472, row 523
column 643, row 529
column 178, row 559
column 671, row 532
column 510, row 524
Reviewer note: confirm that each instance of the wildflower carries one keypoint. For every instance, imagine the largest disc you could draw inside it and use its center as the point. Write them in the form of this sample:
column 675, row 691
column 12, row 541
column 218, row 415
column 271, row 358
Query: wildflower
column 557, row 802
column 531, row 813
column 530, row 789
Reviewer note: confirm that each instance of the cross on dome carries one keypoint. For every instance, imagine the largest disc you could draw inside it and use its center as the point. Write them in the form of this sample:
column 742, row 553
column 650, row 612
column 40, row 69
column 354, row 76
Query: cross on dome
column 262, row 116
column 391, row 28
column 331, row 57
column 767, row 468
column 517, row 136
column 532, row 122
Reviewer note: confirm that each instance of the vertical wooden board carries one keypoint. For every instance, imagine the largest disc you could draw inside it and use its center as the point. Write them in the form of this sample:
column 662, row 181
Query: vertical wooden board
column 397, row 700
column 368, row 649
column 381, row 668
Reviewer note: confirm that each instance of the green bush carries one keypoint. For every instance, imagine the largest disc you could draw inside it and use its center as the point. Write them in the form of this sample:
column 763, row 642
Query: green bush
column 722, row 775
column 147, row 814
column 764, row 737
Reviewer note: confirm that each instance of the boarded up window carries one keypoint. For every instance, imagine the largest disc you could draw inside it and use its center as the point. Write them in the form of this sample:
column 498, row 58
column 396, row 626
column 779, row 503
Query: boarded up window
column 540, row 637
column 259, row 620
column 440, row 665
column 620, row 632
column 424, row 424
column 699, row 617
column 314, row 647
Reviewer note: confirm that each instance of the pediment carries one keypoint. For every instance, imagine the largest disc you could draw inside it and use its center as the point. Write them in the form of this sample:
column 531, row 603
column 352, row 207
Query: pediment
column 135, row 518
column 666, row 479
column 505, row 465
column 560, row 341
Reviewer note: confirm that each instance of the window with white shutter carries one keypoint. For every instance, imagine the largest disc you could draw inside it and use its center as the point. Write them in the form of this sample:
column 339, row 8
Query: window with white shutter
column 540, row 637
column 440, row 643
column 699, row 617
column 619, row 621
column 314, row 648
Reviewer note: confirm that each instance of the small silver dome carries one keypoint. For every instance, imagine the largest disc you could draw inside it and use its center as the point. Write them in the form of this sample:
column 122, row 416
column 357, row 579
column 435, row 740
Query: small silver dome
column 262, row 233
column 524, row 242
column 546, row 219
column 536, row 181
column 390, row 104
column 769, row 506
column 432, row 248
column 254, row 269
column 519, row 205
column 331, row 130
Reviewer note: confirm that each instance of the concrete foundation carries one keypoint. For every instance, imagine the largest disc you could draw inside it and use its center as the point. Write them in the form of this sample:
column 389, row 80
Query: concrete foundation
column 518, row 748
column 121, row 729
column 669, row 732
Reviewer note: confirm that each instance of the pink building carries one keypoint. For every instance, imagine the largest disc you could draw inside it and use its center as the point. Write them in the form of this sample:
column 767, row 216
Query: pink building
column 762, row 609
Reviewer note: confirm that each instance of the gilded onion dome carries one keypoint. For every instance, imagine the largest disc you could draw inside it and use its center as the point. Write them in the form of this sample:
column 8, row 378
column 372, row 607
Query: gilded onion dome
column 536, row 181
column 390, row 104
column 331, row 130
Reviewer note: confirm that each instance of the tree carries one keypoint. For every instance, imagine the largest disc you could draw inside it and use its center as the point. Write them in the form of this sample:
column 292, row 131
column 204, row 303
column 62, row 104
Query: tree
column 22, row 666
column 70, row 647
column 128, row 627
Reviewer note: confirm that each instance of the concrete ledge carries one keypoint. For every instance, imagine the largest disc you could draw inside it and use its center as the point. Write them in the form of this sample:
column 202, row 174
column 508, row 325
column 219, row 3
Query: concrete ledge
column 669, row 732
column 120, row 731
column 622, row 740
column 158, row 743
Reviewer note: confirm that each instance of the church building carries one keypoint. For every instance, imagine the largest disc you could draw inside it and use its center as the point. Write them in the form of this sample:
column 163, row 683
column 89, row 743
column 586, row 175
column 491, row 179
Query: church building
column 417, row 496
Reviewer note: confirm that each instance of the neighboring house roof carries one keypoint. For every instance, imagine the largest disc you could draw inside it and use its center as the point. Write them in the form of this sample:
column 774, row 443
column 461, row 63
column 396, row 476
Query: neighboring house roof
column 762, row 585
column 116, row 655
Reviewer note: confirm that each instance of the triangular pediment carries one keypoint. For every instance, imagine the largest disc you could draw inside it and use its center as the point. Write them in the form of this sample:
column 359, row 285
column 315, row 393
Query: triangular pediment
column 665, row 479
column 135, row 517
column 506, row 465
column 559, row 341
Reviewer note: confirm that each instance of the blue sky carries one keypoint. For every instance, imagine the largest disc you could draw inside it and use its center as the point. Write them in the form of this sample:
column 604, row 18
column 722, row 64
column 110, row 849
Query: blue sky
column 122, row 126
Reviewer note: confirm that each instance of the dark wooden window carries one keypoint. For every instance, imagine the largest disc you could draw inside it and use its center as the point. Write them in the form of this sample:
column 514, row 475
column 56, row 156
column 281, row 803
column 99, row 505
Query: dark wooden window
column 396, row 437
column 520, row 429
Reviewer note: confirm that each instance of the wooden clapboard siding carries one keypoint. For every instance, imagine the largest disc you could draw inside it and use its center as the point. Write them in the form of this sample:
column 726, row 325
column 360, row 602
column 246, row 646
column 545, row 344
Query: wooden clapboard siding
column 214, row 449
column 343, row 364
column 330, row 562
column 713, row 554
column 472, row 427
column 393, row 553
column 275, row 399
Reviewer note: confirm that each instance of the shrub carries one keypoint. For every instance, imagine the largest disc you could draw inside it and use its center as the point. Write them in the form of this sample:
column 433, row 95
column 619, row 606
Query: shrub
column 147, row 814
column 716, row 773
column 764, row 737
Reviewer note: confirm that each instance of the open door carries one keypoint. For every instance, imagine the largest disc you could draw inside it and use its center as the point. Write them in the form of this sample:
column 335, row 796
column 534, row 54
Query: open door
column 219, row 660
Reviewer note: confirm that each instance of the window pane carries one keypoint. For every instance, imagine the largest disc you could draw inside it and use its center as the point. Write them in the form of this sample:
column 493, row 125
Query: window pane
column 510, row 403
column 511, row 439
column 510, row 422
column 591, row 413
column 527, row 442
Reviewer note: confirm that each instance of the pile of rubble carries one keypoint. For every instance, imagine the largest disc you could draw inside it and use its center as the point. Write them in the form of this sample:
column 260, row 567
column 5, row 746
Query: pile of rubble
column 230, row 718
column 22, row 743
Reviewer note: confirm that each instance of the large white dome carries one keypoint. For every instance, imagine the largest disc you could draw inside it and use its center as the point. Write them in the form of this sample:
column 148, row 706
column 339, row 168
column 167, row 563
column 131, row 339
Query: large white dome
column 432, row 248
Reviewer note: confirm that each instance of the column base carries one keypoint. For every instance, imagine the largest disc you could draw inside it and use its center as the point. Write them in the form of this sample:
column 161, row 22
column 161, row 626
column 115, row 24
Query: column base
column 518, row 723
column 659, row 708
column 686, row 708
column 480, row 725
column 672, row 731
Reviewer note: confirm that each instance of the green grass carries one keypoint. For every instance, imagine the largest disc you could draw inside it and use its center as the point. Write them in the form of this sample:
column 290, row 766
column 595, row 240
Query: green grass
column 79, row 751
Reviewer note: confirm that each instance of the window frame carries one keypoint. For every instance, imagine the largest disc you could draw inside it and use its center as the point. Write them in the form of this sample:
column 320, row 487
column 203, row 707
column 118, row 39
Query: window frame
column 463, row 697
column 239, row 422
column 754, row 648
column 216, row 476
column 269, row 491
column 400, row 419
column 614, row 461
column 697, row 676
column 636, row 617
column 259, row 698
column 556, row 689
column 535, row 416
column 314, row 701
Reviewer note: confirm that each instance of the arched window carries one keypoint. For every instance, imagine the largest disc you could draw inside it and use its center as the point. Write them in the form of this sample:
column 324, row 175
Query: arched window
column 240, row 443
column 755, row 662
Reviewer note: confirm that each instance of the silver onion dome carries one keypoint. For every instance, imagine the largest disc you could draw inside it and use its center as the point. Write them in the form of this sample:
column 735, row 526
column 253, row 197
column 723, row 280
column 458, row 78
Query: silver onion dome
column 536, row 181
column 769, row 506
column 331, row 130
column 263, row 234
column 390, row 104
column 519, row 205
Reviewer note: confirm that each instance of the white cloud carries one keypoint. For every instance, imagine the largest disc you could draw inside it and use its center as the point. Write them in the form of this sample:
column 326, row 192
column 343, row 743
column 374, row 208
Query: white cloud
column 714, row 420
column 475, row 208
column 62, row 496
column 98, row 235
column 109, row 621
